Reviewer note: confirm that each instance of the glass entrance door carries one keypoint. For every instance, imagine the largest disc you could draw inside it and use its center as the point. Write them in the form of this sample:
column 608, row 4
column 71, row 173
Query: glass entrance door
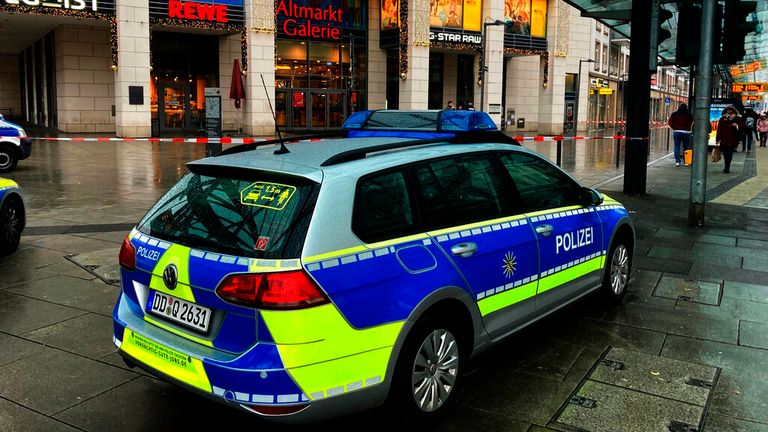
column 309, row 109
column 173, row 112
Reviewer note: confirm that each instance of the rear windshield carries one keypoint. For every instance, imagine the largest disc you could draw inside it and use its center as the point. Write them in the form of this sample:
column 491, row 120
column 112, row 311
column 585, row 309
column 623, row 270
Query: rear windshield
column 258, row 216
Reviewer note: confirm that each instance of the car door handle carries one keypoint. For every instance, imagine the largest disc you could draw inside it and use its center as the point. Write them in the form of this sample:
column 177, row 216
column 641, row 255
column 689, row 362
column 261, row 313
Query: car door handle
column 544, row 229
column 464, row 250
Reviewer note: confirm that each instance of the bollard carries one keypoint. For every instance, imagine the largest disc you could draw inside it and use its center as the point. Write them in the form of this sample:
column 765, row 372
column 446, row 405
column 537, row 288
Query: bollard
column 618, row 152
column 559, row 152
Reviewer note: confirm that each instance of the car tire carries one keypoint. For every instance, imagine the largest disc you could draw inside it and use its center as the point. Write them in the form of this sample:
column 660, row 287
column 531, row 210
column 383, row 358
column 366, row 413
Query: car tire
column 428, row 371
column 11, row 223
column 618, row 267
column 8, row 159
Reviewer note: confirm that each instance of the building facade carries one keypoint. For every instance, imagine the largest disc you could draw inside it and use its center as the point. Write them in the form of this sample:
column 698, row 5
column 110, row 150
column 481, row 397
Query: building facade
column 160, row 67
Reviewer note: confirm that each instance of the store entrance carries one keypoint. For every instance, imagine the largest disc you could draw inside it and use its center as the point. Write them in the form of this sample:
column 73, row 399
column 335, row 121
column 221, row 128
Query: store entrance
column 174, row 115
column 298, row 109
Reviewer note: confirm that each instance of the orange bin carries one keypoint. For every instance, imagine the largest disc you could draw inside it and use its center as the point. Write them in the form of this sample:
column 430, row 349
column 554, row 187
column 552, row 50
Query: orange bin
column 688, row 156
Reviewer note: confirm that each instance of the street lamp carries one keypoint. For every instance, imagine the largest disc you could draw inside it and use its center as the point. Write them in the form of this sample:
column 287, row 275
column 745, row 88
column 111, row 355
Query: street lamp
column 483, row 65
column 578, row 96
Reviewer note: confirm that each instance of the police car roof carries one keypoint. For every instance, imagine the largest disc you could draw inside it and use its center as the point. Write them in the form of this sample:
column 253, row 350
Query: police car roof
column 308, row 158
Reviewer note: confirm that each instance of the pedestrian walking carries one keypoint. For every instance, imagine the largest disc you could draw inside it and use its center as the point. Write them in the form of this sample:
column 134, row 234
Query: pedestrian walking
column 750, row 124
column 762, row 128
column 680, row 122
column 450, row 106
column 729, row 129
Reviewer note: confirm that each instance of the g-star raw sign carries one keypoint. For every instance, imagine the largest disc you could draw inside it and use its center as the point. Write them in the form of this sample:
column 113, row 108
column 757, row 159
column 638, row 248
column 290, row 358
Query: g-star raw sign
column 451, row 37
column 74, row 5
column 292, row 13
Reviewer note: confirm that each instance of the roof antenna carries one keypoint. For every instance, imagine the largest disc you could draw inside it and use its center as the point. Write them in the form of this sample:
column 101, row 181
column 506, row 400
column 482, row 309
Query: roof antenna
column 282, row 149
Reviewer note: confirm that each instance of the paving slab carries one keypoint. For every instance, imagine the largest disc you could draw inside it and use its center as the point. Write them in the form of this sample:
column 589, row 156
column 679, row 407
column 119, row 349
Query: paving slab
column 23, row 314
column 622, row 410
column 753, row 334
column 93, row 296
column 521, row 396
column 720, row 423
column 32, row 257
column 742, row 389
column 729, row 308
column 736, row 251
column 662, row 264
column 54, row 380
column 707, row 292
column 89, row 335
column 686, row 255
column 752, row 243
column 148, row 405
column 466, row 418
column 745, row 291
column 658, row 376
column 102, row 264
column 643, row 282
column 69, row 269
column 675, row 322
column 69, row 244
column 601, row 335
column 14, row 274
column 14, row 418
column 754, row 263
column 15, row 348
column 714, row 271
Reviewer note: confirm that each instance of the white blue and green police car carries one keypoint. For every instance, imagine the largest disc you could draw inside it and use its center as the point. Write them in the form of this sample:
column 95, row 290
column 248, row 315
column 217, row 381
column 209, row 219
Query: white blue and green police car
column 335, row 275
column 14, row 145
column 12, row 216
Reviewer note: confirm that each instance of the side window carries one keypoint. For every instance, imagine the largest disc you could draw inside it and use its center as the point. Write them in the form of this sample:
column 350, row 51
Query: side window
column 458, row 191
column 382, row 208
column 541, row 185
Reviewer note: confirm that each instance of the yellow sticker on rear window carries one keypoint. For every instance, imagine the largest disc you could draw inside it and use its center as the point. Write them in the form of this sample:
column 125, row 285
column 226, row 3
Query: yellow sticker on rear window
column 273, row 196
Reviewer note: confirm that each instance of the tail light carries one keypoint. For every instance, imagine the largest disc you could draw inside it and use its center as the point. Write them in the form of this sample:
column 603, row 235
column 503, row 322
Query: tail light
column 127, row 255
column 284, row 290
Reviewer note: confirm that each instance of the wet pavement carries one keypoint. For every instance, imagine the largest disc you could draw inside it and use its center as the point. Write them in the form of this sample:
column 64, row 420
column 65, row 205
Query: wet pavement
column 687, row 350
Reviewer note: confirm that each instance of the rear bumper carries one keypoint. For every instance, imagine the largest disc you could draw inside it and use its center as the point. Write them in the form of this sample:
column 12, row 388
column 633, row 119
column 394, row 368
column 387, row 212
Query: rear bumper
column 247, row 381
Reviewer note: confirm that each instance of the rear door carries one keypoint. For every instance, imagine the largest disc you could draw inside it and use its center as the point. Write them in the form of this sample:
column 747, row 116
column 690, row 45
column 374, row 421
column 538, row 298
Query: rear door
column 570, row 235
column 468, row 208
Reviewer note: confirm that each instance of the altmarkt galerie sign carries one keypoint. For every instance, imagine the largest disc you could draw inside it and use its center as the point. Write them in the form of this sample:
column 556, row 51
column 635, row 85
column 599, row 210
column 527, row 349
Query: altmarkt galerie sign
column 99, row 6
column 321, row 21
column 210, row 11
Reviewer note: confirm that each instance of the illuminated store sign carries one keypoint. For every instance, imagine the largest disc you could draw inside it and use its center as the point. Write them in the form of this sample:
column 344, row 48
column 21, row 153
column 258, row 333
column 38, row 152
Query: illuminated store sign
column 216, row 11
column 312, row 22
column 197, row 11
column 74, row 5
column 436, row 35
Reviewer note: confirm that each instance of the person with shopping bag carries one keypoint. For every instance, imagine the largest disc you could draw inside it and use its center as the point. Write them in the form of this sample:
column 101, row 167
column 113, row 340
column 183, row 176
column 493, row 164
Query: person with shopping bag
column 681, row 122
column 729, row 129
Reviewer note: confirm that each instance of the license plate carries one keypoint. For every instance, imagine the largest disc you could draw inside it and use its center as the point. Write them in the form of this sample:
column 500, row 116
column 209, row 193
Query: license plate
column 179, row 311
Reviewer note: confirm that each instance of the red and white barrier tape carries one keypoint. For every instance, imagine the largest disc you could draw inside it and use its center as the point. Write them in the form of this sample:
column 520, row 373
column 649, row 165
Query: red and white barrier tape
column 256, row 140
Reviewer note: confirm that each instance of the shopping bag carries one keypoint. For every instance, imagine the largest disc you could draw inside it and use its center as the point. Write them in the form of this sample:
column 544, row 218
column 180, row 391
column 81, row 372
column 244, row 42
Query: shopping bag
column 716, row 154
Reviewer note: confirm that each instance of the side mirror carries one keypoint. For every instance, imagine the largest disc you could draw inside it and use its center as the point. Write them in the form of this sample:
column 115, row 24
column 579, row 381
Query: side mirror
column 591, row 197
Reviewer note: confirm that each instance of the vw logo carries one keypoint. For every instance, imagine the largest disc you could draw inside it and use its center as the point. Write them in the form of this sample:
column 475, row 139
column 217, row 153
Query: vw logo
column 170, row 276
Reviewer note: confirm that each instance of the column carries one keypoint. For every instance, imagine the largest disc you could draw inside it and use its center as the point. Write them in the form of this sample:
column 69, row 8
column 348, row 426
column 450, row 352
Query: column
column 494, row 57
column 377, row 59
column 414, row 89
column 260, row 25
column 133, row 68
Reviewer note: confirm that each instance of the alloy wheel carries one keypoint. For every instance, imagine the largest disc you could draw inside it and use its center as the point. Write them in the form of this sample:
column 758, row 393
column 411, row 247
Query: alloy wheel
column 619, row 269
column 435, row 370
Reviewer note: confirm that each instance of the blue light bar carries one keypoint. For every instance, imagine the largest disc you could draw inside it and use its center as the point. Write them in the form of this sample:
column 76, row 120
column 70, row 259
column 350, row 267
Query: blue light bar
column 420, row 121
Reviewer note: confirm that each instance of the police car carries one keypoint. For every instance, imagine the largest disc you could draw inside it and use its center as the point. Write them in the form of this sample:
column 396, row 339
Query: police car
column 14, row 145
column 12, row 216
column 335, row 275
